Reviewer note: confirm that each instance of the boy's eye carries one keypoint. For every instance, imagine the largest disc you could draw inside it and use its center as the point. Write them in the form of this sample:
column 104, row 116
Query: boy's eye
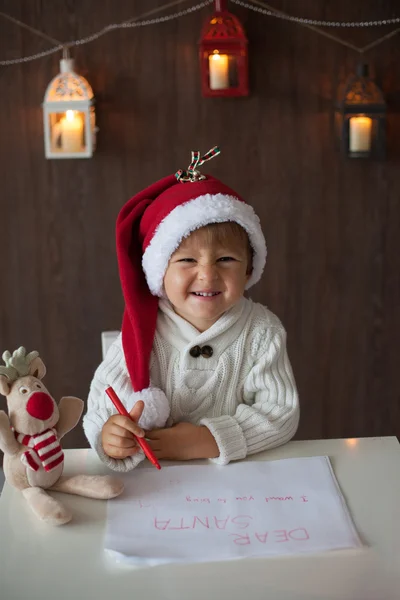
column 226, row 258
column 189, row 260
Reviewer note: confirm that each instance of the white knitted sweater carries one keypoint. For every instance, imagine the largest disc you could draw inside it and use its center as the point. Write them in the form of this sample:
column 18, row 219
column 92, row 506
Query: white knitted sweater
column 244, row 393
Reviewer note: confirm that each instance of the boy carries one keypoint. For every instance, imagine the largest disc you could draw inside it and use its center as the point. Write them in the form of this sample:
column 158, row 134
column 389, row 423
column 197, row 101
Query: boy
column 222, row 385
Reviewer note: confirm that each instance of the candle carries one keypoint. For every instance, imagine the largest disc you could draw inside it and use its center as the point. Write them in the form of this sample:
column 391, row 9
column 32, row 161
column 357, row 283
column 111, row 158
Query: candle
column 71, row 132
column 360, row 134
column 219, row 74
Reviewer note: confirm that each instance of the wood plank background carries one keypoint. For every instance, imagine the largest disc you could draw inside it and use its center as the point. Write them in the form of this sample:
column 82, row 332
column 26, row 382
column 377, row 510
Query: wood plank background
column 332, row 225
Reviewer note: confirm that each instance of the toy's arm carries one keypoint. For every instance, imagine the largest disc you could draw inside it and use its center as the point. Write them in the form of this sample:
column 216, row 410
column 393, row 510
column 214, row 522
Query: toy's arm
column 70, row 409
column 8, row 443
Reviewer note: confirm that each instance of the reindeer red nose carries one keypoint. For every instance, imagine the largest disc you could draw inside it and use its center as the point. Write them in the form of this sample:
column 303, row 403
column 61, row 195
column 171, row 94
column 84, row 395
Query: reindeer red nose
column 40, row 406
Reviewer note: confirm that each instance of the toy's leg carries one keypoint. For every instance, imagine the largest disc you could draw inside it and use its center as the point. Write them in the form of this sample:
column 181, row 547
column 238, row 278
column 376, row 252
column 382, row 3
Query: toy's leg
column 92, row 486
column 45, row 507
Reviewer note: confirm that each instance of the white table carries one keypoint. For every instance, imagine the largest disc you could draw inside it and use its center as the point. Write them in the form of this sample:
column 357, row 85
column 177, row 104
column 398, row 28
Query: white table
column 41, row 562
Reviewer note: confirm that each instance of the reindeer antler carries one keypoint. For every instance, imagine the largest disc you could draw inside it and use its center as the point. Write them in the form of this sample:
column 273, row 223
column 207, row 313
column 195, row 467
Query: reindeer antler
column 17, row 365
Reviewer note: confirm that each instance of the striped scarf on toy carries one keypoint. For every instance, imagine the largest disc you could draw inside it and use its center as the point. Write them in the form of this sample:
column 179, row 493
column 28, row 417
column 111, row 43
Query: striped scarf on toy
column 46, row 450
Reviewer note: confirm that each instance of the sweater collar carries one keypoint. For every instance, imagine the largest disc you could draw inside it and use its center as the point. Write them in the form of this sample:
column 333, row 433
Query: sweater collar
column 181, row 334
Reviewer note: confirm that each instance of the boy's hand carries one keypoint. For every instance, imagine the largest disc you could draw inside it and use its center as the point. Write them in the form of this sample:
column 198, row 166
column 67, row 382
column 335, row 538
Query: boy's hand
column 117, row 433
column 183, row 441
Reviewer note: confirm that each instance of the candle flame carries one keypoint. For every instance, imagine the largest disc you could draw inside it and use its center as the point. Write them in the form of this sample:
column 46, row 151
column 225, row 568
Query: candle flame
column 70, row 114
column 362, row 119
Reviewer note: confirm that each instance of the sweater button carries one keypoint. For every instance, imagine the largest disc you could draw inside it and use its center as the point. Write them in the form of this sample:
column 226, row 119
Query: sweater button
column 195, row 351
column 207, row 351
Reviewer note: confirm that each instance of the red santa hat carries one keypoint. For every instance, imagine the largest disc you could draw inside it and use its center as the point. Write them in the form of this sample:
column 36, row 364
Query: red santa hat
column 150, row 227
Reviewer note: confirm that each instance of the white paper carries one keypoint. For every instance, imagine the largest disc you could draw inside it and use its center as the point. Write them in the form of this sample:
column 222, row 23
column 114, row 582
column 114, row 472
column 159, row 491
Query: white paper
column 204, row 513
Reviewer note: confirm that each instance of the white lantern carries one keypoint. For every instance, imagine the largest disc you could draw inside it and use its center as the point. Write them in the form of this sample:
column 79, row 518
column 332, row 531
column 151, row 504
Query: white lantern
column 68, row 115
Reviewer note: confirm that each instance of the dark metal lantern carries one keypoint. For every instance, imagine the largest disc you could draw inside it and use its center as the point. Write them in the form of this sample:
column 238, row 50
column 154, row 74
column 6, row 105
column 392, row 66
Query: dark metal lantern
column 361, row 118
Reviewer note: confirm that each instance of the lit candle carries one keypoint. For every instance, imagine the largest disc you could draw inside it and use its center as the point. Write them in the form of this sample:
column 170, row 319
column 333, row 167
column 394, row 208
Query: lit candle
column 71, row 132
column 219, row 74
column 360, row 134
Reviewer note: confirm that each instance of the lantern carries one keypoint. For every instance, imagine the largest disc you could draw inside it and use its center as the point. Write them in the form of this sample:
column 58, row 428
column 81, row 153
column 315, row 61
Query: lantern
column 361, row 118
column 223, row 55
column 68, row 115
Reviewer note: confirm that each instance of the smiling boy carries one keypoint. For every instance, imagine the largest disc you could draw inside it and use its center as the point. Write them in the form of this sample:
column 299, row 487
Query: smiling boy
column 203, row 371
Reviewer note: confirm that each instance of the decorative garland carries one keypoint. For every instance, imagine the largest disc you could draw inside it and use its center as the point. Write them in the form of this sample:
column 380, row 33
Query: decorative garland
column 255, row 5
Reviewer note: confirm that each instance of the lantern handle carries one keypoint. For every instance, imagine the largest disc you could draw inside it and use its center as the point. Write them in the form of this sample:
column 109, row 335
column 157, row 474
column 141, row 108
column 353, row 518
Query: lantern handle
column 220, row 5
column 67, row 64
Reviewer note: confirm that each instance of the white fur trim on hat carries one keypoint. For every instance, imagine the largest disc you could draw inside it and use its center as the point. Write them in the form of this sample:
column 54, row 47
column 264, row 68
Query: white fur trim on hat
column 187, row 217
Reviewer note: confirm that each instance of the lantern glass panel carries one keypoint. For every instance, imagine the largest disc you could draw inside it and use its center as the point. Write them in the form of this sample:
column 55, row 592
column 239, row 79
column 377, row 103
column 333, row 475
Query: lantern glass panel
column 222, row 70
column 67, row 132
column 360, row 131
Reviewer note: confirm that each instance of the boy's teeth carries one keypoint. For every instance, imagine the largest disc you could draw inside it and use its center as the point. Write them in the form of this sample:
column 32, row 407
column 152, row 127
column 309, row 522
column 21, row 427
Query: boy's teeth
column 205, row 294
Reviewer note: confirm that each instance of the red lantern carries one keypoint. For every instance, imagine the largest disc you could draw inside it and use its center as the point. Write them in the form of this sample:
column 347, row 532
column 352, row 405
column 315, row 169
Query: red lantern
column 223, row 55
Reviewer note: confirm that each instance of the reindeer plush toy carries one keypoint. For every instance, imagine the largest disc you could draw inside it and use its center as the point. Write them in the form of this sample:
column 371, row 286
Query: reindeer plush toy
column 30, row 439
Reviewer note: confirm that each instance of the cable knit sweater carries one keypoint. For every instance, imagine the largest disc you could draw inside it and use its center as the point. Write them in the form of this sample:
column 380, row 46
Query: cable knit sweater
column 244, row 393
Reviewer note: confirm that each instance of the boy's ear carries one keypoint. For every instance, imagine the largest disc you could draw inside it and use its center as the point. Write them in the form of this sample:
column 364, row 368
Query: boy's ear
column 5, row 385
column 37, row 368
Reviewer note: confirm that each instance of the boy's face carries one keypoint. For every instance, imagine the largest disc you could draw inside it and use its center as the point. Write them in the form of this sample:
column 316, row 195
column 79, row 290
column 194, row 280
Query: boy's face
column 220, row 271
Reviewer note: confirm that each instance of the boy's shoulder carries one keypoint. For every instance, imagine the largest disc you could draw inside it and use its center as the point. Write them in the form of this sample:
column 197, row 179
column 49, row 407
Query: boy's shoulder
column 111, row 343
column 263, row 326
column 262, row 318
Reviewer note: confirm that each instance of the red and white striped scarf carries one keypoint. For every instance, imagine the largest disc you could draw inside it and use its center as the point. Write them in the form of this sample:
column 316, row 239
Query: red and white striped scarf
column 47, row 451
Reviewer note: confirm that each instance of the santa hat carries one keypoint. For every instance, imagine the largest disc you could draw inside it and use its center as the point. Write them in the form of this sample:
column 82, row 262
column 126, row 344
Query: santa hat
column 150, row 227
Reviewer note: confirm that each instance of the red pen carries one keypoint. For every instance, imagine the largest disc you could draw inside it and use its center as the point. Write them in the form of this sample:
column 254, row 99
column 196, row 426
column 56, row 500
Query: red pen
column 122, row 411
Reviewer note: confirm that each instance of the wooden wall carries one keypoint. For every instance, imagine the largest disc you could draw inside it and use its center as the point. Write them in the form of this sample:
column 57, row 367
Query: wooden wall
column 332, row 226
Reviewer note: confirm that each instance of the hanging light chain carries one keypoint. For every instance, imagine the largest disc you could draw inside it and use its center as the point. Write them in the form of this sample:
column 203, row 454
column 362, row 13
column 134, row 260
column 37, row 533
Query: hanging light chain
column 144, row 23
column 107, row 29
column 315, row 22
column 25, row 59
column 262, row 8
